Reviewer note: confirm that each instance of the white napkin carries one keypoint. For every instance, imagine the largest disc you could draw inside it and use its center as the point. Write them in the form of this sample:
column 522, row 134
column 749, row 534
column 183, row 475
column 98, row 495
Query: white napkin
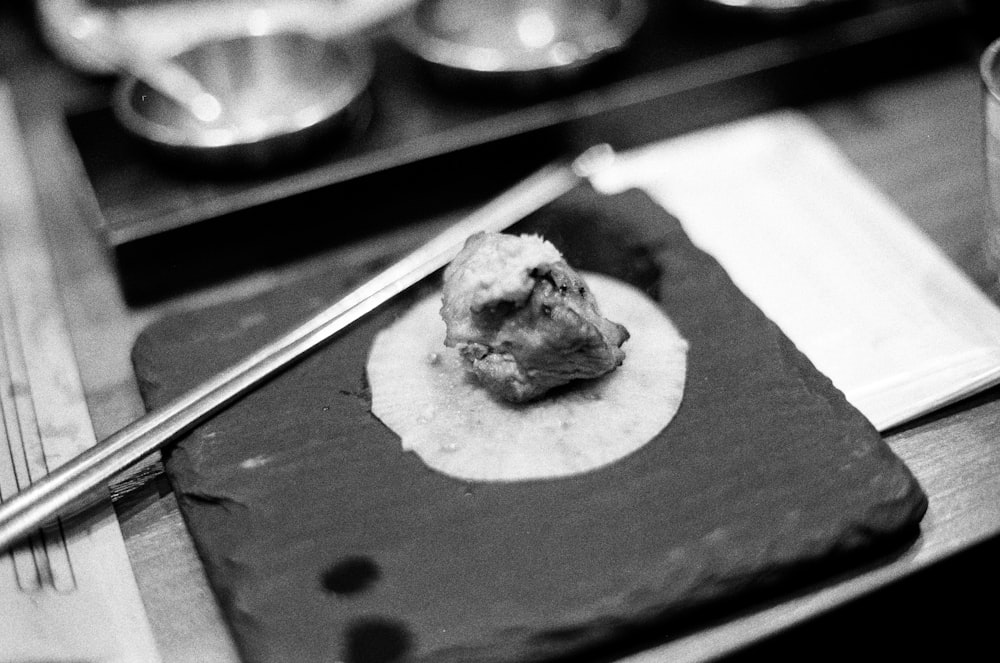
column 854, row 283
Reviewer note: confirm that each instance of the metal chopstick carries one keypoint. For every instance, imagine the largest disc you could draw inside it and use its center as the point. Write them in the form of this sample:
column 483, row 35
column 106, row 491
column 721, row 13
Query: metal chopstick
column 95, row 467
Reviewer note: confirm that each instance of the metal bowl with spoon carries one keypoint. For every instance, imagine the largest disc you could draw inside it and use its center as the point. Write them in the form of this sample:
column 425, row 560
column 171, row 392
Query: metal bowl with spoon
column 166, row 77
column 246, row 102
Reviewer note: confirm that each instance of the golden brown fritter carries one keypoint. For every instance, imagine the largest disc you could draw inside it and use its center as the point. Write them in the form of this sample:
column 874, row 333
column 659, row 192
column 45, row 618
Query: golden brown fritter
column 523, row 319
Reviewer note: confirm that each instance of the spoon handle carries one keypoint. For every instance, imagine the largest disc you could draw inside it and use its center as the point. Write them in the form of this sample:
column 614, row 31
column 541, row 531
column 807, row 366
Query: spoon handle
column 163, row 75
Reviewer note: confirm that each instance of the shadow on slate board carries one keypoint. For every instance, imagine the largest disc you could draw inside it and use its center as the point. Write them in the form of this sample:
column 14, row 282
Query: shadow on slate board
column 325, row 541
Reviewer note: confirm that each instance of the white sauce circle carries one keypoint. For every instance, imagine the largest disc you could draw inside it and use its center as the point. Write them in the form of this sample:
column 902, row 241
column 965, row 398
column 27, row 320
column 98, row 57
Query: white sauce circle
column 422, row 392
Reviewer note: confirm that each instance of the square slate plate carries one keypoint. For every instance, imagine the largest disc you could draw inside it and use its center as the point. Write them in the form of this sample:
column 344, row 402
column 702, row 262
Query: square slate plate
column 325, row 541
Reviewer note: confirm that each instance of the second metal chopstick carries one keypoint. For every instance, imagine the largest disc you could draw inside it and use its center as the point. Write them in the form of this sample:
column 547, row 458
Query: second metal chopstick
column 96, row 466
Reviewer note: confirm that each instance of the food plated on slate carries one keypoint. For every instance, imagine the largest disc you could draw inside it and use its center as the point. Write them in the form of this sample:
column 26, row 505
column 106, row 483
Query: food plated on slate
column 762, row 480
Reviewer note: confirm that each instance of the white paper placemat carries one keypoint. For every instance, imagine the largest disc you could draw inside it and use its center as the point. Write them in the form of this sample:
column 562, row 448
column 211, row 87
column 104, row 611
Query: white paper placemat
column 848, row 277
column 68, row 592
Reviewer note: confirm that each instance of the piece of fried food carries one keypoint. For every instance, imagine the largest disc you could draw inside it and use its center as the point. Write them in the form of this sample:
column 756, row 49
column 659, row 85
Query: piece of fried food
column 524, row 320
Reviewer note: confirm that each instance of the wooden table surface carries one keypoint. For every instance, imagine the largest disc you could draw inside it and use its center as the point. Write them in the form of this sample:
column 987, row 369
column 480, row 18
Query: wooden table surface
column 917, row 136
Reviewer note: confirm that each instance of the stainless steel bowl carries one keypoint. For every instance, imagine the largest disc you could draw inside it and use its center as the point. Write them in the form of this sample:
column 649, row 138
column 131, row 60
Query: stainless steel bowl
column 519, row 44
column 282, row 96
column 777, row 8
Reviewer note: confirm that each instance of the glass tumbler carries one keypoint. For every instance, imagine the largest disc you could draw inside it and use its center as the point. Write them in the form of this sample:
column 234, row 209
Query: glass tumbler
column 989, row 68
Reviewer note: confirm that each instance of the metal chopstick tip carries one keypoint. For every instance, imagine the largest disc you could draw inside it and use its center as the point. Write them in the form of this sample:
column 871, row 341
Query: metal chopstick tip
column 593, row 160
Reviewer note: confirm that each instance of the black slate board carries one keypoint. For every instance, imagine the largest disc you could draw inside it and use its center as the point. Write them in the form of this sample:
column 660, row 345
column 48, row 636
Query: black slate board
column 324, row 541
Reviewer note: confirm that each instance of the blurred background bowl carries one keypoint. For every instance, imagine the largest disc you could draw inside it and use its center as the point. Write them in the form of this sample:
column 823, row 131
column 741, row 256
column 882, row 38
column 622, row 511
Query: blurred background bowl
column 518, row 45
column 283, row 95
column 777, row 9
